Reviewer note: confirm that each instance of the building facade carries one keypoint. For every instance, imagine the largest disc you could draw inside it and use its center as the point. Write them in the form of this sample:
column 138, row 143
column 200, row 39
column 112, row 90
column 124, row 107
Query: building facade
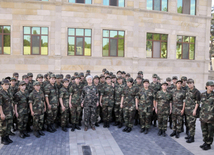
column 166, row 37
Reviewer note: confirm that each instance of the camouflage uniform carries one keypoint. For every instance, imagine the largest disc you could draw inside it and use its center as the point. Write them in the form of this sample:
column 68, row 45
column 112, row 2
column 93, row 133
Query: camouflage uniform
column 90, row 98
column 30, row 86
column 99, row 87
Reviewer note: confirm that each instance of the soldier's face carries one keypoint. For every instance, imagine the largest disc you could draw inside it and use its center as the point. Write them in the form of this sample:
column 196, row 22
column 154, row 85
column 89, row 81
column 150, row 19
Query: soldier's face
column 26, row 80
column 82, row 78
column 210, row 88
column 65, row 84
column 169, row 83
column 114, row 80
column 40, row 79
column 30, row 78
column 96, row 80
column 89, row 80
column 154, row 79
column 119, row 74
column 123, row 75
column 146, row 84
column 174, row 81
column 37, row 87
column 17, row 77
column 138, row 81
column 77, row 80
column 190, row 85
column 127, row 77
column 13, row 82
column 5, row 86
column 22, row 87
column 178, row 85
column 184, row 83
column 58, row 80
column 52, row 80
column 164, row 86
column 102, row 79
column 108, row 81
column 120, row 81
column 129, row 84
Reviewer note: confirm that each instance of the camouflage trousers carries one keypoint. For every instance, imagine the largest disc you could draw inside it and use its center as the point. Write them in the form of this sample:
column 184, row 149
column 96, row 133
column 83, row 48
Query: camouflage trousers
column 191, row 124
column 145, row 118
column 177, row 122
column 128, row 115
column 207, row 132
column 89, row 116
column 107, row 113
column 51, row 116
column 153, row 116
column 22, row 121
column 118, row 112
column 75, row 114
column 38, row 121
column 162, row 121
column 97, row 113
column 5, row 126
column 64, row 117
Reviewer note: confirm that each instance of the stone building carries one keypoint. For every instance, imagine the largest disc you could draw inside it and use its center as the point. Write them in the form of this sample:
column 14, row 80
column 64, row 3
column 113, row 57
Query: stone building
column 167, row 37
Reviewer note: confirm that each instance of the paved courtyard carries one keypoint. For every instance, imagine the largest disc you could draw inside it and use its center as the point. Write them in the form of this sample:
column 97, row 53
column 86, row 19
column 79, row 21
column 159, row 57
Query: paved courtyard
column 104, row 141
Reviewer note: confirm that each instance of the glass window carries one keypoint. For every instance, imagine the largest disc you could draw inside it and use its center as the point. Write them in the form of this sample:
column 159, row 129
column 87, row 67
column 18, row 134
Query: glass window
column 120, row 3
column 4, row 39
column 113, row 43
column 80, row 1
column 79, row 42
column 186, row 6
column 158, row 5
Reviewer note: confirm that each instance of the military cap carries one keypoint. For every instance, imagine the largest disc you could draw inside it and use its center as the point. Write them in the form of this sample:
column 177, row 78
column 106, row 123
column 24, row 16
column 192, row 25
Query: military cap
column 77, row 77
column 75, row 74
column 68, row 76
column 119, row 77
column 52, row 76
column 110, row 73
column 210, row 83
column 22, row 83
column 81, row 74
column 24, row 76
column 15, row 74
column 101, row 75
column 36, row 83
column 72, row 78
column 96, row 77
column 128, row 75
column 190, row 81
column 168, row 79
column 62, row 76
column 8, row 78
column 30, row 74
column 46, row 76
column 158, row 77
column 13, row 79
column 106, row 72
column 179, row 81
column 155, row 76
column 123, row 72
column 146, row 80
column 5, row 81
column 65, row 80
column 119, row 72
column 88, row 71
column 113, row 76
column 39, row 76
column 104, row 69
column 184, row 78
column 138, row 77
column 107, row 77
column 140, row 72
column 130, row 80
column 58, row 76
column 174, row 78
column 164, row 83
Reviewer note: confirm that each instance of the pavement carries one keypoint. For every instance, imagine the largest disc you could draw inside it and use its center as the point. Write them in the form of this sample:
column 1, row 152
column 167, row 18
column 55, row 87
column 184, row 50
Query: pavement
column 104, row 141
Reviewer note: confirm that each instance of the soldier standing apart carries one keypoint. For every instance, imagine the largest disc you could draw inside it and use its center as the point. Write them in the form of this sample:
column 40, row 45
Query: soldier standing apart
column 89, row 102
column 163, row 108
column 107, row 101
column 177, row 109
column 207, row 115
column 6, row 112
column 128, row 104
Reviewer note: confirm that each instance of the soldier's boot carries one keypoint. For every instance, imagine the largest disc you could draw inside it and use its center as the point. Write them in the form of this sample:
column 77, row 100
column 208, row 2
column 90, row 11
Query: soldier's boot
column 80, row 124
column 173, row 133
column 68, row 125
column 53, row 127
column 146, row 131
column 142, row 130
column 187, row 131
column 155, row 124
column 96, row 124
column 29, row 129
column 26, row 134
column 49, row 129
column 159, row 132
column 8, row 139
column 73, row 128
column 136, row 122
column 43, row 127
column 188, row 136
column 125, row 129
column 164, row 133
column 170, row 124
column 36, row 133
column 120, row 125
column 191, row 139
column 11, row 133
column 129, row 130
column 41, row 133
column 14, row 127
column 77, row 127
column 116, row 123
column 64, row 129
column 4, row 141
column 182, row 128
column 206, row 147
column 177, row 135
column 21, row 134
column 105, row 124
column 201, row 146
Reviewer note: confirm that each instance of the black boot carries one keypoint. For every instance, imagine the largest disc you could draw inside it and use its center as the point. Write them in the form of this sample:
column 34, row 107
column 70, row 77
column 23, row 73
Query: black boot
column 206, row 147
column 105, row 124
column 80, row 124
column 64, row 129
column 53, row 127
column 125, row 129
column 4, row 141
column 136, row 122
column 21, row 134
column 12, row 134
column 164, row 133
column 191, row 139
column 129, row 130
column 177, row 135
column 29, row 129
column 188, row 136
column 142, row 130
column 26, row 134
column 77, row 127
column 173, row 133
column 201, row 146
column 170, row 125
column 36, row 133
column 49, row 129
column 155, row 124
column 96, row 124
column 8, row 139
column 116, row 123
column 73, row 128
column 187, row 131
column 160, row 132
column 120, row 125
column 146, row 131
column 41, row 133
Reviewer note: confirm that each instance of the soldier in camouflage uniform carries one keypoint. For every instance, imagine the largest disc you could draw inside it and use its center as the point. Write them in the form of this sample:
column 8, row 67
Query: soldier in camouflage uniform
column 89, row 102
column 145, row 104
column 37, row 108
column 177, row 109
column 163, row 108
column 75, row 101
column 96, row 83
column 128, row 104
column 174, row 80
column 192, row 102
column 46, row 79
column 51, row 98
column 64, row 102
column 207, row 115
column 107, row 101
column 6, row 112
column 30, row 83
column 118, row 94
column 16, row 76
column 170, row 88
column 22, row 109
column 39, row 78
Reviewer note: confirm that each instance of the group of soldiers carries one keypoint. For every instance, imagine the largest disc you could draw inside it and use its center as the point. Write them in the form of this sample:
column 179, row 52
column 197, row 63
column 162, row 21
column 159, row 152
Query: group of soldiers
column 52, row 100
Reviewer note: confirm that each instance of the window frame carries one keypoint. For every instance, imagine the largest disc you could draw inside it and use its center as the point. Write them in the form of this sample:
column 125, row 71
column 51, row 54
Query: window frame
column 153, row 4
column 2, row 33
column 189, row 8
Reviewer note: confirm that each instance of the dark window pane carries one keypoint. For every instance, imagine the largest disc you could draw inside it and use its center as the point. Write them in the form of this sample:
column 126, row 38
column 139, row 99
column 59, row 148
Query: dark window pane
column 149, row 4
column 163, row 50
column 44, row 45
column 35, row 30
column 192, row 39
column 178, row 50
column 113, row 47
column 186, row 7
column 165, row 5
column 6, row 29
column 156, row 49
column 156, row 36
column 186, row 39
column 149, row 49
column 35, row 44
column 113, row 2
column 121, row 3
column 6, row 44
column 157, row 5
column 185, row 51
column 120, row 47
column 26, row 44
column 149, row 36
column 79, row 46
column 164, row 37
column 179, row 38
column 87, row 51
column 26, row 30
column 192, row 51
column 192, row 9
column 80, row 1
column 71, row 45
column 0, row 44
column 71, row 32
column 105, row 46
column 113, row 34
column 179, row 6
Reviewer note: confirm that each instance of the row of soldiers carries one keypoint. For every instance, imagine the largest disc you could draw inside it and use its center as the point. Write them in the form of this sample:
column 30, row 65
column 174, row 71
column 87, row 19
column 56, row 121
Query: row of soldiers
column 57, row 100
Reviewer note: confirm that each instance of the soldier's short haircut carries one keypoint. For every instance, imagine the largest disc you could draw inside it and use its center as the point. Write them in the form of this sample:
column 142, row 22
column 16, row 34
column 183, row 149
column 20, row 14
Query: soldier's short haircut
column 89, row 76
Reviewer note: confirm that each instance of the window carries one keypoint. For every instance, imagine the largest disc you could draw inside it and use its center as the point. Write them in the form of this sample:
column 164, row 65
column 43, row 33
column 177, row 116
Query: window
column 4, row 39
column 186, row 6
column 120, row 3
column 79, row 42
column 159, row 5
column 156, row 45
column 113, row 43
column 185, row 47
column 35, row 41
column 80, row 1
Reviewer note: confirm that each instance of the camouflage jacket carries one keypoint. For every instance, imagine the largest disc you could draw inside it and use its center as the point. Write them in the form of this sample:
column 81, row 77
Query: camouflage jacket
column 76, row 92
column 46, row 82
column 6, row 101
column 163, row 102
column 37, row 99
column 30, row 86
column 178, row 100
column 146, row 98
column 129, row 95
column 21, row 100
column 118, row 92
column 185, row 88
column 89, row 96
column 139, row 86
column 42, row 87
column 64, row 94
column 107, row 93
column 58, row 86
column 13, row 90
column 170, row 88
column 155, row 87
column 193, row 97
column 207, row 107
column 51, row 92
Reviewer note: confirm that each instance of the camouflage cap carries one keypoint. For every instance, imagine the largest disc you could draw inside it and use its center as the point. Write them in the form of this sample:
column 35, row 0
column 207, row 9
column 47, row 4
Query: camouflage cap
column 36, row 83
column 101, row 75
column 39, row 76
column 5, row 81
column 140, row 72
column 8, row 78
column 58, row 76
column 119, row 72
column 30, row 74
column 107, row 77
column 190, row 81
column 210, row 83
column 155, row 76
column 68, row 76
column 22, row 83
column 88, row 71
column 104, row 69
column 184, row 78
column 123, row 72
column 119, row 77
column 130, row 80
column 78, row 77
column 106, row 72
column 146, row 80
column 13, row 79
column 65, row 80
column 96, row 77
column 15, row 74
column 73, row 78
column 158, row 78
column 46, row 76
column 113, row 76
column 24, row 77
column 62, row 76
column 110, row 73
column 75, row 74
column 52, row 76
column 81, row 74
column 138, row 77
column 164, row 83
column 179, row 81
column 168, row 79
column 174, row 78
column 128, row 75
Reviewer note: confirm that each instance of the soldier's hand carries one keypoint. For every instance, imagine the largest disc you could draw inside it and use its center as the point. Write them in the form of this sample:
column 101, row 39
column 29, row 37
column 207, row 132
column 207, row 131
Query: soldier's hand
column 81, row 104
column 97, row 104
column 45, row 109
column 17, row 115
column 156, row 110
column 121, row 106
column 32, row 113
column 70, row 105
column 63, row 108
column 136, row 107
column 182, row 112
column 170, row 111
column 49, row 106
column 2, row 117
column 194, row 113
